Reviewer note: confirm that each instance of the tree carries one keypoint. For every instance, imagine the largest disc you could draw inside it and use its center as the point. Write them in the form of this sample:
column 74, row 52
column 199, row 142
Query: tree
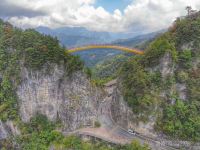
column 189, row 9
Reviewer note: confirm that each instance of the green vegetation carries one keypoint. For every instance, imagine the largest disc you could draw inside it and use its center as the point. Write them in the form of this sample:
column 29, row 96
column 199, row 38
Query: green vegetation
column 187, row 31
column 181, row 120
column 143, row 84
column 97, row 124
column 38, row 134
column 136, row 86
column 41, row 134
column 26, row 49
column 185, row 59
column 109, row 67
column 164, row 43
column 33, row 51
column 107, row 70
column 75, row 143
column 8, row 101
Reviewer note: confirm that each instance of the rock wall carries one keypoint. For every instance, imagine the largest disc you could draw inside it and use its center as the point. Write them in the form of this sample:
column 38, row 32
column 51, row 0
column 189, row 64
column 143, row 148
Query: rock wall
column 70, row 99
column 3, row 131
column 165, row 66
column 124, row 116
column 119, row 110
column 8, row 128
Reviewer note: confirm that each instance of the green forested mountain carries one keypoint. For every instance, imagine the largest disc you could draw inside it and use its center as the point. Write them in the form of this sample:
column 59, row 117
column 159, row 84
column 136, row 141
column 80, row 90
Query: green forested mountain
column 28, row 49
column 31, row 50
column 163, row 83
column 151, row 84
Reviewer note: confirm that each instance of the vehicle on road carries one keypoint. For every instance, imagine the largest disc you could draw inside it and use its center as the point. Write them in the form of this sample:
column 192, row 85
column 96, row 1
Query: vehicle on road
column 103, row 100
column 131, row 132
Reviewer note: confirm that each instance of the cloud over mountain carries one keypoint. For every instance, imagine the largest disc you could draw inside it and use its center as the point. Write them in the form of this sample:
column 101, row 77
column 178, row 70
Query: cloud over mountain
column 140, row 15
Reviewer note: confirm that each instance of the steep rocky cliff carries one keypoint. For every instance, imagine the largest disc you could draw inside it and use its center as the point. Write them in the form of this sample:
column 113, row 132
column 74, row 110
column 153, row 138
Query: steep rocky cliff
column 38, row 76
column 123, row 114
column 161, row 88
column 70, row 99
column 8, row 128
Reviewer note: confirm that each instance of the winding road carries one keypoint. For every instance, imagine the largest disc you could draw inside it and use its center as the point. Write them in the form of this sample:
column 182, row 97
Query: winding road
column 113, row 133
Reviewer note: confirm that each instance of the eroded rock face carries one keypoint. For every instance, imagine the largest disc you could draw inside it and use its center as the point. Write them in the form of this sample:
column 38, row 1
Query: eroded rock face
column 182, row 91
column 8, row 128
column 72, row 100
column 124, row 116
column 165, row 66
column 3, row 131
column 119, row 110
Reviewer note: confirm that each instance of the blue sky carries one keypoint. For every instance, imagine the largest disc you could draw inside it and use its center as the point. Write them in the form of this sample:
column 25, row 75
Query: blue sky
column 111, row 5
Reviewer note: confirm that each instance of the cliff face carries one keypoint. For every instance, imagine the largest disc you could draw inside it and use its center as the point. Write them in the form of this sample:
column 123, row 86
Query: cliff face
column 8, row 128
column 182, row 78
column 3, row 131
column 122, row 113
column 124, row 116
column 72, row 100
column 38, row 76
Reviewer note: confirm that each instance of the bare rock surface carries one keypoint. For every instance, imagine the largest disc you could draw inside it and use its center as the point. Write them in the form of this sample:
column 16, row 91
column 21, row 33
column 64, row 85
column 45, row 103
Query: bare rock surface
column 70, row 99
column 8, row 128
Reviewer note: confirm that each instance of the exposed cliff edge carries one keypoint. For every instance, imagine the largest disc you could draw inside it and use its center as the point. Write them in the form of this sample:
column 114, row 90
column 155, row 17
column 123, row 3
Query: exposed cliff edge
column 8, row 128
column 161, row 88
column 70, row 99
column 38, row 76
column 123, row 114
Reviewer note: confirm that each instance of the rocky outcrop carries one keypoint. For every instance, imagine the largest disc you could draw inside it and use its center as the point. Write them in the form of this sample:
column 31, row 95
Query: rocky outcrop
column 165, row 66
column 8, row 128
column 3, row 131
column 120, row 112
column 182, row 91
column 70, row 99
column 124, row 116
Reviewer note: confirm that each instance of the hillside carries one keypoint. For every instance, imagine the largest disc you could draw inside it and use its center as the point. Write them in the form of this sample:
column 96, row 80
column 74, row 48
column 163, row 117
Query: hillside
column 108, row 68
column 26, row 49
column 45, row 93
column 162, row 87
column 138, row 40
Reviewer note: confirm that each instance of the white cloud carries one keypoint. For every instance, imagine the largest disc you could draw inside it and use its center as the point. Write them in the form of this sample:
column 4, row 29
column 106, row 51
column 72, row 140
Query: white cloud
column 145, row 15
column 156, row 14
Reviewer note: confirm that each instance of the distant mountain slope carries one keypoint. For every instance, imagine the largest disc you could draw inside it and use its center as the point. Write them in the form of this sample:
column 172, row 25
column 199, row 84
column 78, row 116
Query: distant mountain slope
column 98, row 57
column 136, row 41
column 77, row 36
column 72, row 37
